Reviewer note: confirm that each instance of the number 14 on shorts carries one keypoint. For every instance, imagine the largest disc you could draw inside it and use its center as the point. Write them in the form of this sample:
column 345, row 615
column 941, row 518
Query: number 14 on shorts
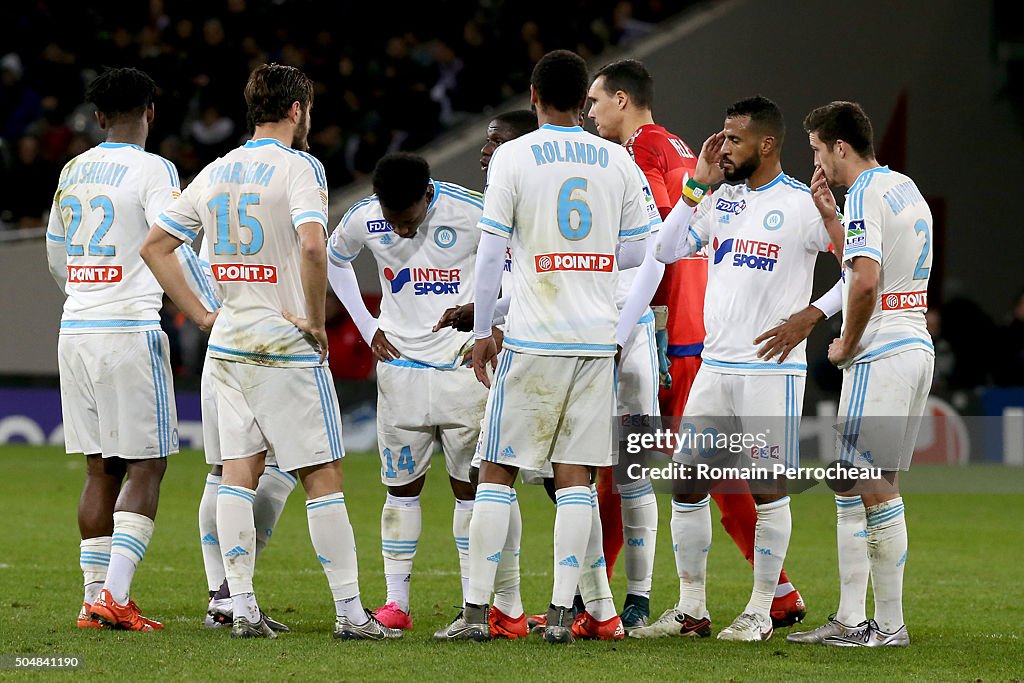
column 405, row 462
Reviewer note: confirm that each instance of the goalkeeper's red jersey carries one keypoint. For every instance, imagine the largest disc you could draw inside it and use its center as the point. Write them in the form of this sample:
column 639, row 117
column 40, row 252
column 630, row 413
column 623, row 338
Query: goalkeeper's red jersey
column 668, row 162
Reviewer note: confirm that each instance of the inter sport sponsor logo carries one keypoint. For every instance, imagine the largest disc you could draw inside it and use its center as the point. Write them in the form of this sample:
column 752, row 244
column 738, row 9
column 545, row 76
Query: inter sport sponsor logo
column 244, row 272
column 94, row 274
column 903, row 301
column 425, row 280
column 753, row 254
column 546, row 263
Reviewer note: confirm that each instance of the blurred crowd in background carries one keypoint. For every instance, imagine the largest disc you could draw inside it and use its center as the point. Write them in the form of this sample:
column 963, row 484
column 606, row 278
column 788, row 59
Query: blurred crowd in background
column 387, row 77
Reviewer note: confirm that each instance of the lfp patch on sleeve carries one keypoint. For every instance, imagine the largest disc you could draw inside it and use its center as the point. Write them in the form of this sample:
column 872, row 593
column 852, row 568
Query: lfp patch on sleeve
column 856, row 236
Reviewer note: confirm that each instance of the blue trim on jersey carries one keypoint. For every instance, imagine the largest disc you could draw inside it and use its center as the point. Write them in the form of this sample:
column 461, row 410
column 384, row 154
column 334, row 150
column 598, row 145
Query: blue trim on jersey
column 558, row 346
column 563, row 129
column 105, row 324
column 156, row 392
column 861, row 251
column 176, row 227
column 55, row 238
column 647, row 317
column 885, row 348
column 337, row 255
column 358, row 205
column 163, row 417
column 327, row 408
column 696, row 239
column 498, row 397
column 633, row 232
column 685, row 350
column 755, row 366
column 117, row 145
column 298, row 358
column 318, row 169
column 795, row 184
column 459, row 189
column 778, row 179
column 202, row 283
column 321, row 218
column 433, row 199
column 172, row 172
column 495, row 224
column 478, row 203
column 419, row 365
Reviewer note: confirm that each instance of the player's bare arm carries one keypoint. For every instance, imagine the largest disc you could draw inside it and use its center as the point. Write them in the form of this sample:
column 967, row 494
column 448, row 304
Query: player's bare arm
column 864, row 277
column 158, row 253
column 383, row 350
column 790, row 333
column 313, row 271
column 825, row 202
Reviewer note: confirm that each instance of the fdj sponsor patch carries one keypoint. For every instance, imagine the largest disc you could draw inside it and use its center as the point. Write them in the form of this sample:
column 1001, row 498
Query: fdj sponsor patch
column 374, row 227
column 734, row 208
column 546, row 263
column 856, row 236
column 94, row 273
column 748, row 253
column 902, row 301
column 425, row 280
column 243, row 272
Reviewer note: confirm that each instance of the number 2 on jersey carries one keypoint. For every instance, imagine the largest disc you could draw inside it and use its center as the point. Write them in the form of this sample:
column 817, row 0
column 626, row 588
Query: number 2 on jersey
column 95, row 248
column 569, row 205
column 920, row 272
column 220, row 205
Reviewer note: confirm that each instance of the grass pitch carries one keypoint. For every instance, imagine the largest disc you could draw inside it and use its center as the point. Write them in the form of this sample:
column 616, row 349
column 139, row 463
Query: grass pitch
column 963, row 597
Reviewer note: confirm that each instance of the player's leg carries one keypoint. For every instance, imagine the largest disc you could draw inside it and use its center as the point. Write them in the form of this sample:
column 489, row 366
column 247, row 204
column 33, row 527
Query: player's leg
column 138, row 422
column 219, row 605
column 637, row 395
column 769, row 407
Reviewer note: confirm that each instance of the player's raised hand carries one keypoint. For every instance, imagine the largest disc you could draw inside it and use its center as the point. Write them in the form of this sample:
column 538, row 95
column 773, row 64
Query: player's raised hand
column 822, row 195
column 708, row 171
column 382, row 349
column 485, row 352
column 459, row 317
column 783, row 338
column 318, row 333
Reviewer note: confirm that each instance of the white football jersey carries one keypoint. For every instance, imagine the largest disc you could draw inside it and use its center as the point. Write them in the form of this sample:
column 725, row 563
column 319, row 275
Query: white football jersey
column 762, row 246
column 420, row 276
column 888, row 221
column 627, row 276
column 106, row 200
column 565, row 198
column 251, row 202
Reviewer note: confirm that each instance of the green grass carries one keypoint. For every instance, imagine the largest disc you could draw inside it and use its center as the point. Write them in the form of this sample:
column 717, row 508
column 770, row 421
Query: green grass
column 963, row 598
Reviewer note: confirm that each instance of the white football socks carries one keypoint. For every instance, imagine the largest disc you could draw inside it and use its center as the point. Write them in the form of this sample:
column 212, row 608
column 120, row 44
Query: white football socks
column 573, row 519
column 887, row 553
column 335, row 546
column 401, row 521
column 271, row 495
column 209, row 539
column 771, row 542
column 94, row 558
column 593, row 581
column 507, row 597
column 640, row 531
column 488, row 531
column 127, row 548
column 461, row 517
column 691, row 540
column 235, row 522
column 852, row 542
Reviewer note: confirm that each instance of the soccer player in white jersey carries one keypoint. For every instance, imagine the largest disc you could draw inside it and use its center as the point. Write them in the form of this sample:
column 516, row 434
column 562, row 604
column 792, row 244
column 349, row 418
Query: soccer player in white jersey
column 115, row 377
column 275, row 485
column 764, row 236
column 567, row 199
column 264, row 206
column 422, row 234
column 887, row 358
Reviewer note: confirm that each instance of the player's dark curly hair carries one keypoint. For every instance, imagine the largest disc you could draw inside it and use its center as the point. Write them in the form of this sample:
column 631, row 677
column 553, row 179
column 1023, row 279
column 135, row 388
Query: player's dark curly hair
column 400, row 180
column 844, row 121
column 521, row 121
column 121, row 92
column 763, row 113
column 560, row 79
column 271, row 90
column 631, row 77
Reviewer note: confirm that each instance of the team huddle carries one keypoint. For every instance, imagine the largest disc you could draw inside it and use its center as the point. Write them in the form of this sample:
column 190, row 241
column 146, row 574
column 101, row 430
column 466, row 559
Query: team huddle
column 597, row 276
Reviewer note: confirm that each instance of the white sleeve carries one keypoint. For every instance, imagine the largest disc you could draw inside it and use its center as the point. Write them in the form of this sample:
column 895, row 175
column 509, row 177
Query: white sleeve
column 198, row 276
column 307, row 193
column 831, row 302
column 499, row 197
column 501, row 309
column 343, row 281
column 640, row 294
column 56, row 251
column 631, row 254
column 346, row 241
column 160, row 188
column 683, row 233
column 490, row 263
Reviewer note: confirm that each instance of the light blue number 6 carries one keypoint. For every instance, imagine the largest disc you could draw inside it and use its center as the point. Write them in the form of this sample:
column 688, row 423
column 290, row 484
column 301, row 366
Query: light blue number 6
column 567, row 206
column 921, row 273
